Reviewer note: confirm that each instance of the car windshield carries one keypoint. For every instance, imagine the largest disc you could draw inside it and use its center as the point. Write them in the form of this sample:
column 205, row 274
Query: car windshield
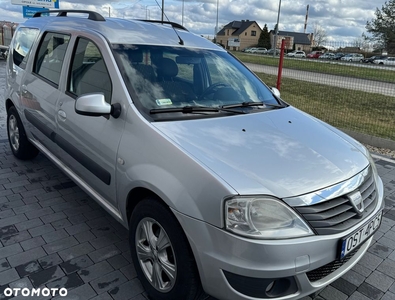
column 170, row 79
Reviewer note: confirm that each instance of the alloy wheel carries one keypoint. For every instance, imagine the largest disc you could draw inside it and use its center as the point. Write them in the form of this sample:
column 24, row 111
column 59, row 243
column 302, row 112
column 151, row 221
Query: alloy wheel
column 13, row 132
column 156, row 255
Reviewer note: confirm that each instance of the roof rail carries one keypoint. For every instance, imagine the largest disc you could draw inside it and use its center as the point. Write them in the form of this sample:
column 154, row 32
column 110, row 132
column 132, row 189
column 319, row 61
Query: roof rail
column 174, row 25
column 63, row 13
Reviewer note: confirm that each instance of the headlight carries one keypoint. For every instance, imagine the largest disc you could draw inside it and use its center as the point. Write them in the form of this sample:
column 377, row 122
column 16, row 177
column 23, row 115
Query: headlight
column 372, row 164
column 263, row 218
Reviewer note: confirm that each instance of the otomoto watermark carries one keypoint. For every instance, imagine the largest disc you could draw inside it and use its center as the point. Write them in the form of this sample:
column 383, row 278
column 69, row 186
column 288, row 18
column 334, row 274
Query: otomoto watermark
column 26, row 292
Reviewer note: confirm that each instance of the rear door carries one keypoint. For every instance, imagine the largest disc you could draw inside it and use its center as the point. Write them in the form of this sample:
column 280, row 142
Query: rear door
column 40, row 89
column 89, row 145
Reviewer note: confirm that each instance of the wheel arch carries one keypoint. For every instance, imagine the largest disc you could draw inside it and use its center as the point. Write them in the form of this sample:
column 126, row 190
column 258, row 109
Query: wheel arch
column 138, row 195
column 8, row 104
column 135, row 196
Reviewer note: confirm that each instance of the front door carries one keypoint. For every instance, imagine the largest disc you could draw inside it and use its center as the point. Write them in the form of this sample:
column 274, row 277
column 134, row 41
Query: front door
column 89, row 145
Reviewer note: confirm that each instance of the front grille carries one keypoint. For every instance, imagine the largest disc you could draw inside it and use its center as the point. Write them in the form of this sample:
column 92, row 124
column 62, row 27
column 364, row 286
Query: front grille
column 324, row 271
column 337, row 215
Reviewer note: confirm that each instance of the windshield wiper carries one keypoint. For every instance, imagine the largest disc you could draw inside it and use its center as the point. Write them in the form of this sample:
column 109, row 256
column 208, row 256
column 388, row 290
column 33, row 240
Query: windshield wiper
column 184, row 109
column 247, row 104
column 192, row 109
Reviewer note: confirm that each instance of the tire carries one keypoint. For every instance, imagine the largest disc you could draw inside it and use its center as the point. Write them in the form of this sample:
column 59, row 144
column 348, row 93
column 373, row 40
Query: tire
column 20, row 145
column 179, row 278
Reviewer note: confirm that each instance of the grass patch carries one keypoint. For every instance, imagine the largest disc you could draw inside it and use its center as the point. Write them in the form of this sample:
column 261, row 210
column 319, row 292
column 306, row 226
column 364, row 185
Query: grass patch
column 355, row 70
column 369, row 113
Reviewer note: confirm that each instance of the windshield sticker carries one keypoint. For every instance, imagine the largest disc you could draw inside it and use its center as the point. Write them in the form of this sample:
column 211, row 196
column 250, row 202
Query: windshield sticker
column 161, row 102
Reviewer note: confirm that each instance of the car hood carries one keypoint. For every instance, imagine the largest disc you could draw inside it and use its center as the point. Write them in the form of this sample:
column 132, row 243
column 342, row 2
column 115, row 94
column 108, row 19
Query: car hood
column 282, row 152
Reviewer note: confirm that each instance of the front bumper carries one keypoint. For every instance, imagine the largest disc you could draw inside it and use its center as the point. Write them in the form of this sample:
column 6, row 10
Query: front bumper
column 219, row 253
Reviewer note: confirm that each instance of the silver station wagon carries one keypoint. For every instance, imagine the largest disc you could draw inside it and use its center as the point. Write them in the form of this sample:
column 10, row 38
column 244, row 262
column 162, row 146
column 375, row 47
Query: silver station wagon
column 225, row 188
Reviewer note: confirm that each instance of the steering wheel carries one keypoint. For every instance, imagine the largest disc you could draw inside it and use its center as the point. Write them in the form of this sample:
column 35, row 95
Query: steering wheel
column 212, row 89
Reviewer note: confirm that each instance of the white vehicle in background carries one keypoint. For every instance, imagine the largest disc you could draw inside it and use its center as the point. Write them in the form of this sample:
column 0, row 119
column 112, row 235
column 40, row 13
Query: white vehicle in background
column 250, row 50
column 353, row 57
column 327, row 56
column 259, row 51
column 300, row 54
column 389, row 61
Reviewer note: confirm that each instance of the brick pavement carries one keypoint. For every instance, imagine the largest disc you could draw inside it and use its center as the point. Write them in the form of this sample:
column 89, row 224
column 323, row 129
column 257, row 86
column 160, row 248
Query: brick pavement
column 53, row 235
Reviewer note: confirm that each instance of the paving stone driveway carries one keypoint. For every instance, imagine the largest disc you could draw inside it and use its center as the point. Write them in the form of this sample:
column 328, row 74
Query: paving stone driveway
column 52, row 234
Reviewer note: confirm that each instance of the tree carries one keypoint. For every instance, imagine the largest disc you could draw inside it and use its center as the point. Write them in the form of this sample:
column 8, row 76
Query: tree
column 319, row 35
column 264, row 38
column 362, row 43
column 382, row 28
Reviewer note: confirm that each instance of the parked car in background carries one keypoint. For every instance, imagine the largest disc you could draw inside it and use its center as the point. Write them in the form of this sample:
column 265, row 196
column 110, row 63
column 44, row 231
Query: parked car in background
column 338, row 56
column 3, row 51
column 271, row 51
column 315, row 54
column 353, row 57
column 298, row 53
column 259, row 51
column 250, row 50
column 372, row 58
column 389, row 61
column 327, row 55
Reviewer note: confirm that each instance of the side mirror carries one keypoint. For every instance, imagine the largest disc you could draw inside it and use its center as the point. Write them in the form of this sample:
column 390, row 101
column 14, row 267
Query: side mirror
column 275, row 91
column 95, row 105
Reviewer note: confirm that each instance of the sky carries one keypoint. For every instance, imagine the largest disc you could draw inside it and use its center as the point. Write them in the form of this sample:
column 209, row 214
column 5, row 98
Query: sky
column 343, row 20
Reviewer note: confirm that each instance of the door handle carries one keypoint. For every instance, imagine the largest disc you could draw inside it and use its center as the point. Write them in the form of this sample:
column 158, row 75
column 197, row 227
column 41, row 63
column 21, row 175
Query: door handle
column 62, row 115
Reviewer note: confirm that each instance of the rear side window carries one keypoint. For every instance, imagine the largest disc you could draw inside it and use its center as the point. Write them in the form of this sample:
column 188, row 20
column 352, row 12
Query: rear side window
column 50, row 56
column 22, row 43
column 89, row 73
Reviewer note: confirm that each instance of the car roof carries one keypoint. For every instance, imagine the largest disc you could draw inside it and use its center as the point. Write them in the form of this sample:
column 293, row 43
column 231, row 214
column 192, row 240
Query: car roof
column 121, row 31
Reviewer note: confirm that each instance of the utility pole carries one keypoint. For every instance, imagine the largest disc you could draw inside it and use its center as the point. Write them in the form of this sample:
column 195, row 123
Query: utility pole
column 276, row 33
column 182, row 19
column 163, row 8
column 109, row 12
column 216, row 24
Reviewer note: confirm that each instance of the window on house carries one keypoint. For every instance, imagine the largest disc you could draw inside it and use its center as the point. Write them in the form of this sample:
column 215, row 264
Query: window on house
column 245, row 33
column 253, row 33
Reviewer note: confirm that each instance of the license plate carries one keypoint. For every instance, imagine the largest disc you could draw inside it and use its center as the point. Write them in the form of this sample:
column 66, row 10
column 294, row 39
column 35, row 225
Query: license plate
column 359, row 236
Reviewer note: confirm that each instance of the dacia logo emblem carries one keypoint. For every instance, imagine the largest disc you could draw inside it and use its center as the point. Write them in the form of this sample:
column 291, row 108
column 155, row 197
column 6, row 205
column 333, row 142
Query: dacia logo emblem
column 356, row 202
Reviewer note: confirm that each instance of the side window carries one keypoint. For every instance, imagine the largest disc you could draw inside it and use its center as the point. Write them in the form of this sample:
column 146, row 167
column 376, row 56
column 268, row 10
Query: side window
column 23, row 41
column 50, row 56
column 89, row 73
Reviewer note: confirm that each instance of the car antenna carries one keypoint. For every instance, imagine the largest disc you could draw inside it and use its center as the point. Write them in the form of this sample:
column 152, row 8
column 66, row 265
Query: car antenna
column 181, row 42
